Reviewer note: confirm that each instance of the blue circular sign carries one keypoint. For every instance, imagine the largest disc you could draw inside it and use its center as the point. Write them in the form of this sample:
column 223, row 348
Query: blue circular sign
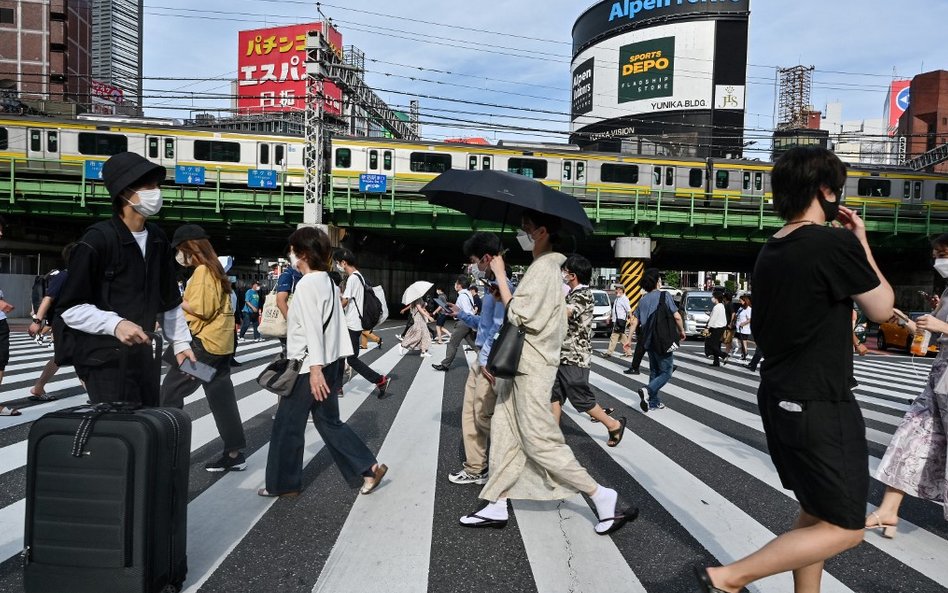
column 902, row 99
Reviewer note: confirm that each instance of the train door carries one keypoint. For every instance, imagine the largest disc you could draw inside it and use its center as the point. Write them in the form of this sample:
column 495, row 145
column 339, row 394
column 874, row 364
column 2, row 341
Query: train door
column 663, row 181
column 271, row 156
column 574, row 172
column 752, row 183
column 912, row 192
column 161, row 150
column 42, row 144
column 480, row 162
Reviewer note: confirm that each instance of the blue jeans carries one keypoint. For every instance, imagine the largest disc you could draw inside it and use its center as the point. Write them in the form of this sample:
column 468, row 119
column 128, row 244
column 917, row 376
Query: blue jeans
column 660, row 366
column 287, row 440
column 249, row 320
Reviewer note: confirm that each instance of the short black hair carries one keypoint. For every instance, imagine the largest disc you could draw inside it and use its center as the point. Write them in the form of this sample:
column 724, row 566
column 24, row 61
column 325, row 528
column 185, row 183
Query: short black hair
column 718, row 296
column 311, row 245
column 482, row 243
column 650, row 279
column 580, row 266
column 551, row 223
column 343, row 254
column 797, row 176
column 473, row 288
column 463, row 280
column 939, row 241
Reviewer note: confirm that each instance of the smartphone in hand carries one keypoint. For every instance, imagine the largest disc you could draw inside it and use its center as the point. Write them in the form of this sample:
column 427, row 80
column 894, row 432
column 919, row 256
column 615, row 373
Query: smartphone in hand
column 198, row 370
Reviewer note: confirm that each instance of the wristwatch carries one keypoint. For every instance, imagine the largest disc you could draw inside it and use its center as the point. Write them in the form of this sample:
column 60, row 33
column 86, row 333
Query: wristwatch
column 37, row 320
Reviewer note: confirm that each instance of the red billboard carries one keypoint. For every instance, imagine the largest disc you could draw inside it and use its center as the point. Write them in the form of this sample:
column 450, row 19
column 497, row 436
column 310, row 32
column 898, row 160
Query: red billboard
column 896, row 102
column 272, row 69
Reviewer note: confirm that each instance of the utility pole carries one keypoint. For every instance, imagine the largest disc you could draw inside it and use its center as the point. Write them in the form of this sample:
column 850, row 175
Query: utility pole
column 315, row 146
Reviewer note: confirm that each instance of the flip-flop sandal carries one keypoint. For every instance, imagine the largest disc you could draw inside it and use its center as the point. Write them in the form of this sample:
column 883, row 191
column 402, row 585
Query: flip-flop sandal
column 43, row 397
column 6, row 411
column 627, row 516
column 615, row 436
column 484, row 522
column 608, row 412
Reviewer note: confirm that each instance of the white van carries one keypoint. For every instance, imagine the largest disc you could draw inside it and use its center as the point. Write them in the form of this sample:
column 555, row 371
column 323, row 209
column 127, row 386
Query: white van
column 695, row 311
column 602, row 313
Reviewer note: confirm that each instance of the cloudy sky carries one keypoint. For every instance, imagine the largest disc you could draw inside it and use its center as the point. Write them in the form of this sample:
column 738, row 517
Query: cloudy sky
column 473, row 61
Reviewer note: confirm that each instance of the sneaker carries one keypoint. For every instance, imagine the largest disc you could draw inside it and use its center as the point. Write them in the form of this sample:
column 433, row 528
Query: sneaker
column 643, row 396
column 382, row 385
column 660, row 406
column 630, row 371
column 425, row 355
column 462, row 477
column 439, row 367
column 227, row 463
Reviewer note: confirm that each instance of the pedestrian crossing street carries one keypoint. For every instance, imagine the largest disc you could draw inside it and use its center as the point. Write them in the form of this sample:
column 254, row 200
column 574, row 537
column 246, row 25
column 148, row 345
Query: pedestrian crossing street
column 698, row 470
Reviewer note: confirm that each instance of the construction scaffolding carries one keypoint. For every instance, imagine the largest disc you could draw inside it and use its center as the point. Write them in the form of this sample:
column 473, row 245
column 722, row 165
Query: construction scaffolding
column 793, row 98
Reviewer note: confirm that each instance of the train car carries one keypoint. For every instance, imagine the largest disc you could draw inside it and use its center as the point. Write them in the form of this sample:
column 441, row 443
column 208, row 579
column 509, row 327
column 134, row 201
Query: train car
column 40, row 145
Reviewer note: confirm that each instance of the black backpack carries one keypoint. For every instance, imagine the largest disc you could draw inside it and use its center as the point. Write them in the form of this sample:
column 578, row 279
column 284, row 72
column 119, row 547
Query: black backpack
column 371, row 311
column 662, row 327
column 38, row 291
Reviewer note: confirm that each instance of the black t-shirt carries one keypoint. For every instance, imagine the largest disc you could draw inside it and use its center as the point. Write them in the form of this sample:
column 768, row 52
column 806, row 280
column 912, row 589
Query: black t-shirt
column 803, row 311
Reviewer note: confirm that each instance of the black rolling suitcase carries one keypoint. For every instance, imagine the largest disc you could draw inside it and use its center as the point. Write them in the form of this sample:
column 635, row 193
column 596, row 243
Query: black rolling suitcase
column 106, row 500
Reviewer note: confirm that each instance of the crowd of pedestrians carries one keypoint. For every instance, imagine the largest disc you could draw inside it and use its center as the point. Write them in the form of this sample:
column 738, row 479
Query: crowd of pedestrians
column 120, row 287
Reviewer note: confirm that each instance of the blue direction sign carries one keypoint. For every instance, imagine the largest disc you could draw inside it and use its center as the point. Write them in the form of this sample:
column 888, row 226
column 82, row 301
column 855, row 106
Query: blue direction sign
column 189, row 175
column 93, row 170
column 371, row 183
column 263, row 178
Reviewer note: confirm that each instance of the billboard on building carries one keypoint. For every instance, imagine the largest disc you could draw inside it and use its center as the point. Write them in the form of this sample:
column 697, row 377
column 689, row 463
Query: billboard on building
column 896, row 102
column 271, row 66
column 647, row 71
column 105, row 97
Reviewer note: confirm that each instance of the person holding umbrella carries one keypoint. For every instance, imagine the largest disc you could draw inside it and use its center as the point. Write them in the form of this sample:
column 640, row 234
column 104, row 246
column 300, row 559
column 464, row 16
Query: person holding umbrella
column 529, row 458
column 417, row 337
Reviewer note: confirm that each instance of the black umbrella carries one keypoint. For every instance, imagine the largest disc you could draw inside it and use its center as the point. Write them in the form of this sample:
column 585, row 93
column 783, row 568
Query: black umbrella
column 502, row 197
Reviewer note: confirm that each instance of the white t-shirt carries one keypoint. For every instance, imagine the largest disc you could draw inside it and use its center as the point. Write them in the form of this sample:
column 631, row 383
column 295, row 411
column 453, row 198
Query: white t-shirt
column 718, row 317
column 744, row 316
column 355, row 292
column 141, row 237
column 621, row 308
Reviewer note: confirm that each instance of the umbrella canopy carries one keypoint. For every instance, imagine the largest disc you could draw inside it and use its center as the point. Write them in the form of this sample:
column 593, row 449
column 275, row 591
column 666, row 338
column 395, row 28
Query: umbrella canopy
column 502, row 197
column 416, row 291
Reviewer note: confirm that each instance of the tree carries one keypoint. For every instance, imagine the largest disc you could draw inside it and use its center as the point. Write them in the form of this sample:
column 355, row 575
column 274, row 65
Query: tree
column 672, row 279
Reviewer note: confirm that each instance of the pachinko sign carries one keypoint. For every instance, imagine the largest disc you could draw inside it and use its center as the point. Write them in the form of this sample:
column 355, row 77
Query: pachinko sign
column 271, row 67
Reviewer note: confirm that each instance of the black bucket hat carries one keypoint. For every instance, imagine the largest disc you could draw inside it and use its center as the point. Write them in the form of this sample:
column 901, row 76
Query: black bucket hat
column 188, row 232
column 125, row 168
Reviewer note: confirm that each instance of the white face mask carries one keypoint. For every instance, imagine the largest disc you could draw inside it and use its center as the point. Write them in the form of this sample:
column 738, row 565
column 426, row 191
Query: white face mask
column 149, row 202
column 525, row 240
column 181, row 259
column 339, row 268
column 941, row 266
column 293, row 260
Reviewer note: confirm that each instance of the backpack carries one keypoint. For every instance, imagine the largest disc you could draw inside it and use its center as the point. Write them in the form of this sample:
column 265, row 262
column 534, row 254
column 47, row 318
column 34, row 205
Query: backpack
column 662, row 327
column 38, row 291
column 374, row 308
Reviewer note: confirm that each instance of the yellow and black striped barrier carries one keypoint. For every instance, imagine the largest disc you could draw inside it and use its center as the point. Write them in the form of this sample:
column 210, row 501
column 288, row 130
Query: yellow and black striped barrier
column 630, row 277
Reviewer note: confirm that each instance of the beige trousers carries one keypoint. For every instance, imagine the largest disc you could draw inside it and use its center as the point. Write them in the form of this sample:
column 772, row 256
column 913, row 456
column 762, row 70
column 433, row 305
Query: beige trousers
column 614, row 339
column 476, row 412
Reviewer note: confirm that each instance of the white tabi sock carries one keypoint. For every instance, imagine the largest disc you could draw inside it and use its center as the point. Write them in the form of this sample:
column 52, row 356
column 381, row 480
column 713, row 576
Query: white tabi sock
column 605, row 501
column 494, row 510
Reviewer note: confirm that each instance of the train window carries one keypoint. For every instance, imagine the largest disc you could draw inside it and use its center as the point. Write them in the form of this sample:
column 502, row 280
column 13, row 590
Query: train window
column 535, row 168
column 695, row 177
column 216, row 150
column 264, row 154
column 906, row 190
column 747, row 180
column 52, row 141
column 669, row 176
column 758, row 181
column 373, row 159
column 567, row 170
column 941, row 190
column 343, row 158
column 278, row 155
column 485, row 163
column 152, row 148
column 918, row 189
column 429, row 162
column 102, row 144
column 36, row 141
column 387, row 160
column 580, row 171
column 472, row 162
column 657, row 176
column 611, row 173
column 722, row 179
column 4, row 138
column 169, row 148
column 875, row 188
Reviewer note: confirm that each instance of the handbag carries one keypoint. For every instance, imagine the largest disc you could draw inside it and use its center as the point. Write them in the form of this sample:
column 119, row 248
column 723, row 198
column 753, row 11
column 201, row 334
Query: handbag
column 504, row 357
column 272, row 321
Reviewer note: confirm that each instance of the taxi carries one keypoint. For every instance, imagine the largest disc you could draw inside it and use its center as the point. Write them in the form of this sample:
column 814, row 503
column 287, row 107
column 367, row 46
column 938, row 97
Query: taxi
column 892, row 335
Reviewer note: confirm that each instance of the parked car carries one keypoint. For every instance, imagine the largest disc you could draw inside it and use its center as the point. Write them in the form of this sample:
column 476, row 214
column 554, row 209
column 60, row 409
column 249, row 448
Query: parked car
column 695, row 310
column 892, row 335
column 602, row 312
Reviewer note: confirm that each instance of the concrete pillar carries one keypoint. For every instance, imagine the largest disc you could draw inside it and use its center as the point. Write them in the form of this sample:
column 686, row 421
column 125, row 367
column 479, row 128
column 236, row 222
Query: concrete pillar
column 632, row 253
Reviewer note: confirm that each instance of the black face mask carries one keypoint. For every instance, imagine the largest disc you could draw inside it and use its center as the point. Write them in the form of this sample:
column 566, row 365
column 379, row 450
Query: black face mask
column 830, row 209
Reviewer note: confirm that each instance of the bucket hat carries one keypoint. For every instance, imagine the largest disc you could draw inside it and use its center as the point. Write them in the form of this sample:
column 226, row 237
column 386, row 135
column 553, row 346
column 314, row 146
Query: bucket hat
column 125, row 168
column 188, row 232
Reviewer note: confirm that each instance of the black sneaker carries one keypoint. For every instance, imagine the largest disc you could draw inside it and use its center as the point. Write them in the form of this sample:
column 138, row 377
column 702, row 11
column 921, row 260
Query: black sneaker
column 439, row 367
column 228, row 464
column 643, row 397
column 631, row 372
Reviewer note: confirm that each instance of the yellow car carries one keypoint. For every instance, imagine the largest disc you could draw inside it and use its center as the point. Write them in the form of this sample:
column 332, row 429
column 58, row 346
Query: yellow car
column 892, row 335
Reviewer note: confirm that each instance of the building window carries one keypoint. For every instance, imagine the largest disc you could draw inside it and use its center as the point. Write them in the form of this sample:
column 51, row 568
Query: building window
column 874, row 188
column 695, row 177
column 343, row 158
column 4, row 139
column 941, row 189
column 7, row 16
column 722, row 179
column 215, row 150
column 610, row 173
column 534, row 168
column 429, row 162
column 102, row 144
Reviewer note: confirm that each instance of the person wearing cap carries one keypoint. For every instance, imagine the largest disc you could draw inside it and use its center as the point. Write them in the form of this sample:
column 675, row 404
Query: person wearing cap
column 121, row 283
column 209, row 311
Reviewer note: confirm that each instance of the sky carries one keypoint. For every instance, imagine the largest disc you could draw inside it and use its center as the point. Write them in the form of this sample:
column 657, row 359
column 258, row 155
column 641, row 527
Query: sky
column 516, row 54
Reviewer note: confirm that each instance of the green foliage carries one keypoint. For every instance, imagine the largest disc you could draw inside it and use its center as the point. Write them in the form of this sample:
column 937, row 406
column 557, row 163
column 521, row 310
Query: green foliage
column 672, row 279
column 730, row 286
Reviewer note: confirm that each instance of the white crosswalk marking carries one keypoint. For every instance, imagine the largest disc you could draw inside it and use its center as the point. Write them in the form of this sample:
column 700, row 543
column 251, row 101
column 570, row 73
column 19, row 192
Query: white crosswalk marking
column 385, row 542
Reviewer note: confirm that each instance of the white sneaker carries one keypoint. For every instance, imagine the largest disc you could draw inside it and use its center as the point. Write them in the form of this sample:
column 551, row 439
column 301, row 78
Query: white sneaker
column 401, row 351
column 426, row 355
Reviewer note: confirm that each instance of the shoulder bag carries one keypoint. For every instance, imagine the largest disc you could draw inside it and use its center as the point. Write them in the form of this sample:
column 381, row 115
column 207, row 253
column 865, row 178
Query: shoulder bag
column 504, row 358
